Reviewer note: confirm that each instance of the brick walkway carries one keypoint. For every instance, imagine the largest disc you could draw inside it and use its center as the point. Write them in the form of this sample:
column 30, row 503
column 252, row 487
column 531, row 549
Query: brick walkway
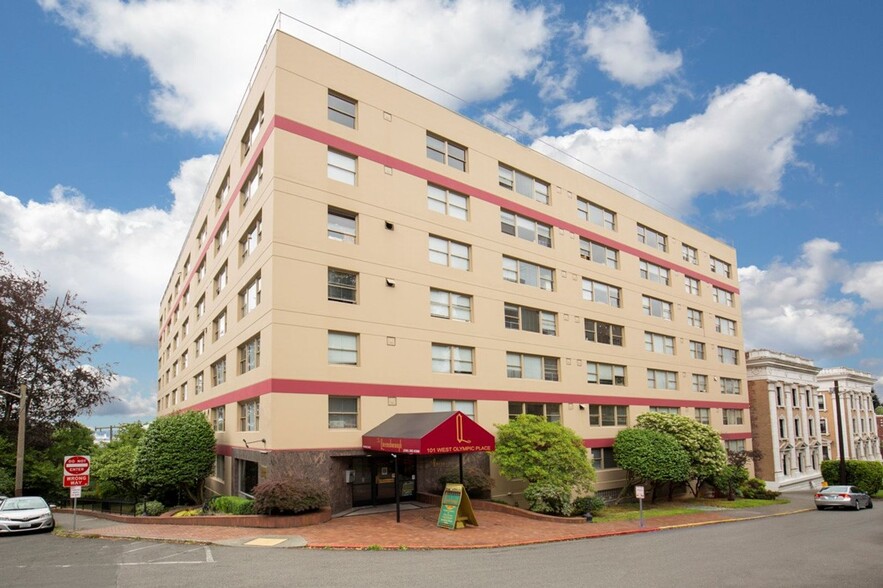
column 418, row 530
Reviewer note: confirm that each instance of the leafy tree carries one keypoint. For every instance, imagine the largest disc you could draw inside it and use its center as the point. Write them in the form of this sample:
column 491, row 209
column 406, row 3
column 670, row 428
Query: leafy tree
column 735, row 474
column 878, row 410
column 544, row 454
column 44, row 469
column 41, row 347
column 114, row 464
column 650, row 457
column 175, row 454
column 701, row 442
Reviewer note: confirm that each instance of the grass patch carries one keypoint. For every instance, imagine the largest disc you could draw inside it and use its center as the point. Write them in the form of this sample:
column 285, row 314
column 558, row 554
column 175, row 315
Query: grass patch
column 630, row 511
column 879, row 494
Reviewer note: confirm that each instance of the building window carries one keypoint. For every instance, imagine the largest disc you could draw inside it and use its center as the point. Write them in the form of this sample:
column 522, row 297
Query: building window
column 602, row 293
column 691, row 285
column 654, row 273
column 731, row 386
column 549, row 411
column 735, row 445
column 467, row 407
column 449, row 253
column 694, row 318
column 198, row 384
column 221, row 279
column 605, row 374
column 720, row 267
column 218, row 470
column 662, row 380
column 342, row 225
column 222, row 234
column 697, row 350
column 250, row 137
column 221, row 195
column 250, row 296
column 450, row 305
column 342, row 285
column 452, row 359
column 728, row 356
column 445, row 151
column 689, row 254
column 343, row 348
column 724, row 326
column 732, row 416
column 218, row 418
column 722, row 296
column 656, row 343
column 219, row 325
column 248, row 477
column 665, row 409
column 202, row 234
column 219, row 372
column 703, row 415
column 252, row 183
column 341, row 109
column 251, row 239
column 601, row 332
column 250, row 415
column 200, row 271
column 526, row 185
column 529, row 319
column 823, row 426
column 600, row 254
column 447, row 202
column 655, row 307
column 525, row 228
column 531, row 367
column 595, row 214
column 608, row 415
column 821, row 402
column 250, row 354
column 342, row 167
column 343, row 412
column 602, row 458
column 530, row 274
column 651, row 238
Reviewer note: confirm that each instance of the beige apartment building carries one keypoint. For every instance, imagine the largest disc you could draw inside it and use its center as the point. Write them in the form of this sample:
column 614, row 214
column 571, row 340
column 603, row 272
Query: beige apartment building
column 794, row 417
column 362, row 252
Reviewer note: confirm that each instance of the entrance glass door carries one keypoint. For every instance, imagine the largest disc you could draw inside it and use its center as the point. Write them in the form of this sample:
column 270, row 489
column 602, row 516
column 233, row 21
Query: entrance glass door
column 375, row 480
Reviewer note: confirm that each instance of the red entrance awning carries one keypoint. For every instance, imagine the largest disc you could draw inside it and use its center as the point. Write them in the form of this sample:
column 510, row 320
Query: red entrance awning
column 428, row 433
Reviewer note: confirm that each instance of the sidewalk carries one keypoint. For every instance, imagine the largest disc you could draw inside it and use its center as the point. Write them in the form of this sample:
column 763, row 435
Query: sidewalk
column 417, row 529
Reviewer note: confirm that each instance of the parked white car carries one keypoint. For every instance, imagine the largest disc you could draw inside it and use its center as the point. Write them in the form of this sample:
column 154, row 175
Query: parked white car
column 25, row 513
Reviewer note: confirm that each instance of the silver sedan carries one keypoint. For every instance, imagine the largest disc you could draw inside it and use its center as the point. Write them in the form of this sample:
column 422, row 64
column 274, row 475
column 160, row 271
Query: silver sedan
column 25, row 513
column 842, row 497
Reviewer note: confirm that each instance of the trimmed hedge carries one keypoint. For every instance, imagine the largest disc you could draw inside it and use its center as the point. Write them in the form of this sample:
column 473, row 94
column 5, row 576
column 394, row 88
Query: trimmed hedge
column 478, row 484
column 756, row 488
column 866, row 475
column 230, row 505
column 288, row 497
column 152, row 508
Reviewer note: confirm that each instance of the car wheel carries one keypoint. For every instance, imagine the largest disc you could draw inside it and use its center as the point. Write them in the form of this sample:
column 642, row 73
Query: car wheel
column 870, row 503
column 820, row 507
column 857, row 505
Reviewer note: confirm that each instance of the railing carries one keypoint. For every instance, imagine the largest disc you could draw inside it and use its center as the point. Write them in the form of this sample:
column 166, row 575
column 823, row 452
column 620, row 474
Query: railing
column 121, row 507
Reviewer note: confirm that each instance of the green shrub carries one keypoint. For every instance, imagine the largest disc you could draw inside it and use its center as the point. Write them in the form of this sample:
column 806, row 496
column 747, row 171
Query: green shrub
column 230, row 505
column 190, row 512
column 866, row 475
column 151, row 508
column 478, row 484
column 554, row 499
column 756, row 488
column 288, row 497
column 590, row 504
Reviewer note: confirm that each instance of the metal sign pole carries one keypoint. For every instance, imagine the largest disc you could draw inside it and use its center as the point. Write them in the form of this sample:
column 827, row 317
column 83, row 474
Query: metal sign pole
column 641, row 511
column 75, row 513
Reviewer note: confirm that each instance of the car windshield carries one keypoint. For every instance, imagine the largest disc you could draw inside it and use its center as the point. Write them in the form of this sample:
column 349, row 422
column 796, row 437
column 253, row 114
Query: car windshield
column 836, row 489
column 23, row 503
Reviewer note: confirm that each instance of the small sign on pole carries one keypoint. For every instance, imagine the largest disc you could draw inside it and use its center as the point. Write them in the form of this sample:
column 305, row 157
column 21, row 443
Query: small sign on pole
column 75, row 475
column 639, row 494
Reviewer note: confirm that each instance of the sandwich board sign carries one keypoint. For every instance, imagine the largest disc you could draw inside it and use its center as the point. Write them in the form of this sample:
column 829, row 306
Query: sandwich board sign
column 456, row 509
column 76, row 470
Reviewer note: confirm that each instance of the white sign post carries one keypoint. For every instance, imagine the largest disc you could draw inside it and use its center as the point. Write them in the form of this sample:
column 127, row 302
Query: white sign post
column 75, row 476
column 639, row 494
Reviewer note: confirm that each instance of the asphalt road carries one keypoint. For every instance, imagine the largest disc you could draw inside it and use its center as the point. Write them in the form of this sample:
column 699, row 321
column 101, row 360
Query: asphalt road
column 830, row 548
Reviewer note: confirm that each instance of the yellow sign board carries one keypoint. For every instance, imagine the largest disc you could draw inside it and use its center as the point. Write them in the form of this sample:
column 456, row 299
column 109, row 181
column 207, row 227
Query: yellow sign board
column 456, row 509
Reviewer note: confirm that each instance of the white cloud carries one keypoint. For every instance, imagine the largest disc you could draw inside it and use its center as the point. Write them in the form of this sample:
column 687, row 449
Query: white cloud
column 507, row 119
column 743, row 143
column 620, row 40
column 127, row 405
column 437, row 40
column 118, row 263
column 867, row 281
column 793, row 307
column 585, row 113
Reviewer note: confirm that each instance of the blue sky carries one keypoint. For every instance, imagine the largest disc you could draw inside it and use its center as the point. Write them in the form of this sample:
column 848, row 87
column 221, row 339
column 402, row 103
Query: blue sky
column 757, row 122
